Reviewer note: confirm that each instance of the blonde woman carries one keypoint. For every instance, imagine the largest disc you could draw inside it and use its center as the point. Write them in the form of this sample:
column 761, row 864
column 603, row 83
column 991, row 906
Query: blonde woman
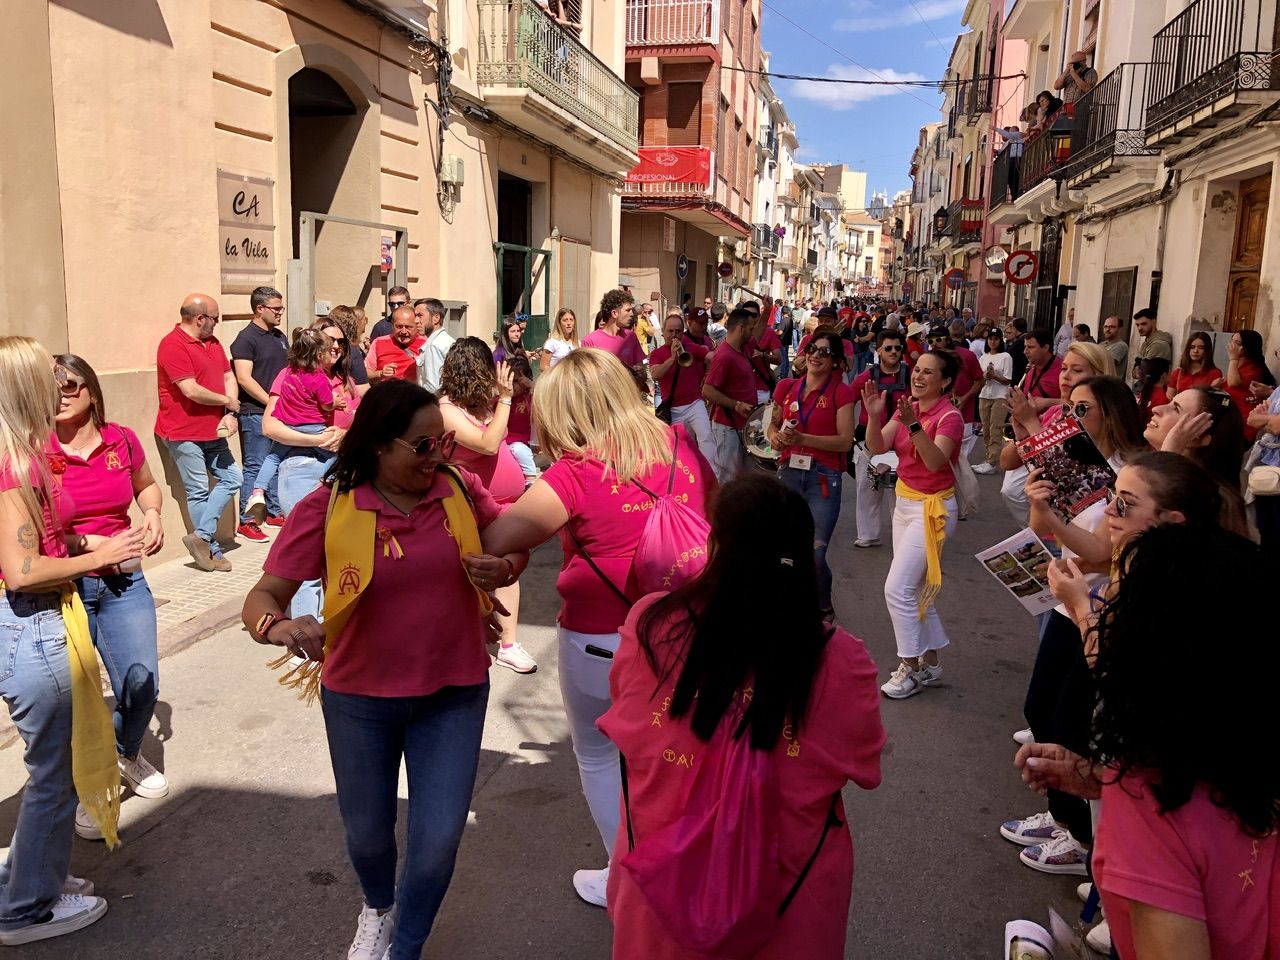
column 609, row 449
column 564, row 339
column 49, row 664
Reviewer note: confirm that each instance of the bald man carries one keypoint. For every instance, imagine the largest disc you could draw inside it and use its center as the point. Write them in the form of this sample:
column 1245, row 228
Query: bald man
column 198, row 403
column 395, row 356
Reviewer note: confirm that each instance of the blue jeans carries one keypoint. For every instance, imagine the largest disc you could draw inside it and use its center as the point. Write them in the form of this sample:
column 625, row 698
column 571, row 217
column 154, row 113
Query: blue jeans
column 35, row 682
column 300, row 473
column 253, row 448
column 824, row 504
column 280, row 451
column 524, row 456
column 195, row 460
column 122, row 620
column 439, row 738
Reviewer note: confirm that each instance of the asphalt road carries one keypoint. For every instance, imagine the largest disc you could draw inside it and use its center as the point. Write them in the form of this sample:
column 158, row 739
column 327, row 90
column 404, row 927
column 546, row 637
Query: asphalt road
column 244, row 859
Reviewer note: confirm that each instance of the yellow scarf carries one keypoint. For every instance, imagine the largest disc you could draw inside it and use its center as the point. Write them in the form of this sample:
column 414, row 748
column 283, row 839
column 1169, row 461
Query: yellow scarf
column 350, row 537
column 935, row 536
column 95, row 770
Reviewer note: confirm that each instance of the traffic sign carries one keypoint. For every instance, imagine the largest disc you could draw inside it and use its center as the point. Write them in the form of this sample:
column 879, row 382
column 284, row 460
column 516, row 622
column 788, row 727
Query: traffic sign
column 907, row 287
column 955, row 278
column 725, row 269
column 682, row 266
column 1022, row 266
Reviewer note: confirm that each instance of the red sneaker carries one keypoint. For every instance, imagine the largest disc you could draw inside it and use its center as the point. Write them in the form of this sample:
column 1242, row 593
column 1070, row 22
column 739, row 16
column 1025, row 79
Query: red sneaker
column 251, row 531
column 275, row 521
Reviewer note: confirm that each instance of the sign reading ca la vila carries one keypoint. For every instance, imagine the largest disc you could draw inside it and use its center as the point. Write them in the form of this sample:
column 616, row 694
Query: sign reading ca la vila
column 246, row 229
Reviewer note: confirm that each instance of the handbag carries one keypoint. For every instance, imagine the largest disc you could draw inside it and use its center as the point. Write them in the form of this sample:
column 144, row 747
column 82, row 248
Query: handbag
column 1264, row 481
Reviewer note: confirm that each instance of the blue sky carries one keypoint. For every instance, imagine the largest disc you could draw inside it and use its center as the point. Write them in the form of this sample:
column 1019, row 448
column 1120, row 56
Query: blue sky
column 869, row 128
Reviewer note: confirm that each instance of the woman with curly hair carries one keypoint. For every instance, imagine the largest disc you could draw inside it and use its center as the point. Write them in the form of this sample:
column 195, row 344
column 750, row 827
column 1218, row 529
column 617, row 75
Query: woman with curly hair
column 475, row 401
column 1188, row 853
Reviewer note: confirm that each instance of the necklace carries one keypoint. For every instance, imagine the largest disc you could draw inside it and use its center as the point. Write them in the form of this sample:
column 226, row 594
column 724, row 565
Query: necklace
column 80, row 451
column 389, row 502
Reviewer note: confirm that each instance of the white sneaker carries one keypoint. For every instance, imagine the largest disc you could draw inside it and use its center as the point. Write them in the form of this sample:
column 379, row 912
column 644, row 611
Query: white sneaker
column 70, row 913
column 1099, row 938
column 591, row 886
column 86, row 829
column 930, row 676
column 868, row 542
column 983, row 468
column 904, row 682
column 77, row 886
column 516, row 658
column 1024, row 736
column 146, row 780
column 373, row 935
column 1083, row 890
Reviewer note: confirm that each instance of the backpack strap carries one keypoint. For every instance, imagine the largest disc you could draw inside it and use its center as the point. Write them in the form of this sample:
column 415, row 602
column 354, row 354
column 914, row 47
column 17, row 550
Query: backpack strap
column 592, row 564
column 626, row 802
column 833, row 820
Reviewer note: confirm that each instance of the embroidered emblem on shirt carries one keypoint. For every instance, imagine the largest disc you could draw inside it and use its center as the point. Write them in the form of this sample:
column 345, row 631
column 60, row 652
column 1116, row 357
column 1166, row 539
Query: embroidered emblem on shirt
column 349, row 580
column 1247, row 877
column 113, row 460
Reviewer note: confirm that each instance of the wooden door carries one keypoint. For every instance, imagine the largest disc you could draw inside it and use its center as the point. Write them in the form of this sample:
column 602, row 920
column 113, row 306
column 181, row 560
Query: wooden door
column 1246, row 254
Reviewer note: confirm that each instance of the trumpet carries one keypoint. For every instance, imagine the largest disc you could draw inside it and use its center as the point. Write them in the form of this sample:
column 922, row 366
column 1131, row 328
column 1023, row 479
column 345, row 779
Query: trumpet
column 683, row 357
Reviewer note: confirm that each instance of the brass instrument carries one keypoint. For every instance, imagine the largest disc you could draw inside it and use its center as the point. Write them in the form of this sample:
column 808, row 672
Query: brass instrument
column 683, row 357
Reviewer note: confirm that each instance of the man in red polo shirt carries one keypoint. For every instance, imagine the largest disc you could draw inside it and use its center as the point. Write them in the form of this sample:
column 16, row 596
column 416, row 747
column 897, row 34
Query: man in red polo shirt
column 198, row 403
column 395, row 356
column 730, row 387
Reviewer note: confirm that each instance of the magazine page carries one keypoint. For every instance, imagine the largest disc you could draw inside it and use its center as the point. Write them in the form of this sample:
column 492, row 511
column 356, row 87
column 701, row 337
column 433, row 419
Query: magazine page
column 1021, row 564
column 1072, row 462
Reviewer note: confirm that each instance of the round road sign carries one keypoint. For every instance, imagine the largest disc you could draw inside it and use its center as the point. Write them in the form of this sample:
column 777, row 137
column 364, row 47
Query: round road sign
column 1022, row 266
column 907, row 287
column 682, row 266
column 725, row 269
column 955, row 278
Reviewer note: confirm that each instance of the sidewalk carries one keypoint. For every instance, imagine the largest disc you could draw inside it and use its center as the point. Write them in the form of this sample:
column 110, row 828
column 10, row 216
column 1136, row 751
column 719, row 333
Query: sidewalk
column 190, row 605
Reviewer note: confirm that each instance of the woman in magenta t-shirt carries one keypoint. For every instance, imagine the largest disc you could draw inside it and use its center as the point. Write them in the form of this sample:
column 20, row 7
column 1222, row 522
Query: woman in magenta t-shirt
column 812, row 430
column 925, row 433
column 691, row 663
column 105, row 472
column 602, row 435
column 476, row 401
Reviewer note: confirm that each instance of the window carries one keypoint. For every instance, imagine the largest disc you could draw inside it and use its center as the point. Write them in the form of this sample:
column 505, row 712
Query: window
column 739, row 155
column 684, row 114
column 1117, row 295
column 722, row 141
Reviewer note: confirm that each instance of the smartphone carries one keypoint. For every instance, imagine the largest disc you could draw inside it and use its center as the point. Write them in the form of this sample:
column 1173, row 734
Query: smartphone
column 600, row 652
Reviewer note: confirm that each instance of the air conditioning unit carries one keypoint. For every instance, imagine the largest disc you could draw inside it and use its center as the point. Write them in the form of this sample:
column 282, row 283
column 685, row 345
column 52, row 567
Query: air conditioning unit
column 452, row 170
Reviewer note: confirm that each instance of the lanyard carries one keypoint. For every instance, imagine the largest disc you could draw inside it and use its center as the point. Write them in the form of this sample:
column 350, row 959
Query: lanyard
column 798, row 400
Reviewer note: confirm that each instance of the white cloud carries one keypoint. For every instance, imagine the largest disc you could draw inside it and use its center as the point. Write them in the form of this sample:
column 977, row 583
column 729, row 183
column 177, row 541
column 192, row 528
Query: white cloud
column 845, row 96
column 880, row 19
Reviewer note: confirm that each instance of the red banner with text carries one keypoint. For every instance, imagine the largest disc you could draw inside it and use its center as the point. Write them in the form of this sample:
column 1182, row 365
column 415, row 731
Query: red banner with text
column 672, row 165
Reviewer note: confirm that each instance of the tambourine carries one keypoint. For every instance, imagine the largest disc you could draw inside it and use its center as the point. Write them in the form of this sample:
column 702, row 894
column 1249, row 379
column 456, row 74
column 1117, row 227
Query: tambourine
column 754, row 440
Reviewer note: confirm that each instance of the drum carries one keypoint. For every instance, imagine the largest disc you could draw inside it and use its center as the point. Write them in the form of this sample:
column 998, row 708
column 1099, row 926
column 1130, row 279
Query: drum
column 754, row 440
column 882, row 471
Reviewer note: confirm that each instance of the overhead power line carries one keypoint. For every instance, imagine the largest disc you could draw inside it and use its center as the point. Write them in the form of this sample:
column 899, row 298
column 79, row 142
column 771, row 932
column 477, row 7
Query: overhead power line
column 876, row 83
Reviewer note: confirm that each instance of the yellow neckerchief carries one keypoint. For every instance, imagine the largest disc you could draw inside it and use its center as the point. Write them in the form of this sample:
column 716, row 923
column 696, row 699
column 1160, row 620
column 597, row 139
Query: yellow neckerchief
column 350, row 537
column 94, row 767
column 935, row 536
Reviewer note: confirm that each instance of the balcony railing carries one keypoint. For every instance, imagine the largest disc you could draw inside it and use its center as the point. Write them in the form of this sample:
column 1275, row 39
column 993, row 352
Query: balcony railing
column 520, row 46
column 1204, row 57
column 764, row 241
column 1003, row 179
column 1110, row 122
column 964, row 221
column 1047, row 151
column 676, row 186
column 957, row 114
column 672, row 22
column 979, row 97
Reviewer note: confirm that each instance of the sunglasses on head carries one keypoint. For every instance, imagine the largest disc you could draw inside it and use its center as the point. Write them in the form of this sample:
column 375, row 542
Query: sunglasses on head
column 442, row 446
column 521, row 318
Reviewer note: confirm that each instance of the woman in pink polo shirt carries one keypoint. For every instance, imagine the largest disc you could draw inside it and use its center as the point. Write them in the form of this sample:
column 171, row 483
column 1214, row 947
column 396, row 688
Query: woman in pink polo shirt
column 698, row 662
column 105, row 471
column 606, row 442
column 475, row 401
column 406, row 675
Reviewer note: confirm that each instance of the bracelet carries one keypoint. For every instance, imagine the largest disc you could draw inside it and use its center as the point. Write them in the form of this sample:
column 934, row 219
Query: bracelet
column 506, row 400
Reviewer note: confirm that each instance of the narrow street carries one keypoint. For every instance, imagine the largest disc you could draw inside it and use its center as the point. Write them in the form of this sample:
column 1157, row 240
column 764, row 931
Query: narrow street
column 244, row 858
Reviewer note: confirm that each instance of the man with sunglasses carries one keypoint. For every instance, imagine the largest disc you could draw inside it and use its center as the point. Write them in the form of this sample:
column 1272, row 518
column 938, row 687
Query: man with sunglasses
column 395, row 357
column 892, row 377
column 397, row 297
column 198, row 396
column 258, row 354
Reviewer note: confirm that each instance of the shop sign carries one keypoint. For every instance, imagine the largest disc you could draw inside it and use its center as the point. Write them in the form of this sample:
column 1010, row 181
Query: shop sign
column 246, row 230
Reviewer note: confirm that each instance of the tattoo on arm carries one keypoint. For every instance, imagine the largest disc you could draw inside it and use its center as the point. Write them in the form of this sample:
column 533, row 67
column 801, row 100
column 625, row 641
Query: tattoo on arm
column 26, row 564
column 27, row 539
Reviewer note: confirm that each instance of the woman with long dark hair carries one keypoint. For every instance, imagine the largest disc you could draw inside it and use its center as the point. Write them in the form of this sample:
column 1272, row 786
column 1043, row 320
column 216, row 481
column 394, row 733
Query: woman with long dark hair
column 704, row 663
column 1247, row 376
column 1188, row 851
column 511, row 340
column 1195, row 368
column 401, row 670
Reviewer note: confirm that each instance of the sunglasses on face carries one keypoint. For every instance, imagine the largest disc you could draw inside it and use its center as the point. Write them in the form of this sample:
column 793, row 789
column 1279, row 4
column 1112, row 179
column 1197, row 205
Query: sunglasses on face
column 891, row 348
column 397, row 304
column 813, row 351
column 70, row 386
column 1121, row 504
column 1080, row 409
column 441, row 447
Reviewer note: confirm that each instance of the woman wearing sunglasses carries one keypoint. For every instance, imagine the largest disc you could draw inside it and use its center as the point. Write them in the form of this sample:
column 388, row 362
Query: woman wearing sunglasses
column 105, row 471
column 476, row 402
column 403, row 672
column 812, row 430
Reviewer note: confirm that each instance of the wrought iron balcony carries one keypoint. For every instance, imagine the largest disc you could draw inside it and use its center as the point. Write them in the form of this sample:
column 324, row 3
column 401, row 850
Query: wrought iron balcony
column 657, row 23
column 1209, row 62
column 979, row 98
column 1001, row 173
column 1046, row 152
column 957, row 114
column 765, row 242
column 964, row 221
column 522, row 48
column 1110, row 123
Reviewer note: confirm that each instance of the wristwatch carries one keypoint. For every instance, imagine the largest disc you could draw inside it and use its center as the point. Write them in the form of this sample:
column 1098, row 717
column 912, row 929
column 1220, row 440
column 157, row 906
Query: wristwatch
column 915, row 427
column 265, row 623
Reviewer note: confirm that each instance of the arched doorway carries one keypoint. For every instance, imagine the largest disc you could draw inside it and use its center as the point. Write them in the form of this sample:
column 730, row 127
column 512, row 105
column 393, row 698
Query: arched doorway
column 323, row 127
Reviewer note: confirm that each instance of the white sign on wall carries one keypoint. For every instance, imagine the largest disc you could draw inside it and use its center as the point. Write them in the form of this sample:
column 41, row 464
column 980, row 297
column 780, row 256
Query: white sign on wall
column 246, row 230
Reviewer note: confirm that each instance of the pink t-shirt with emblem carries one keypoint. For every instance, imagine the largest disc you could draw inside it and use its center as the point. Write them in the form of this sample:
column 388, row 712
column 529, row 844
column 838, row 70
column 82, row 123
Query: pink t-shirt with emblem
column 941, row 420
column 624, row 346
column 814, row 412
column 840, row 739
column 520, row 420
column 417, row 627
column 55, row 522
column 1195, row 861
column 101, row 484
column 300, row 393
column 608, row 517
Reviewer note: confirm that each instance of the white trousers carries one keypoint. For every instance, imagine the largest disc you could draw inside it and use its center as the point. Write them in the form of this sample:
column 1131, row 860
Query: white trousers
column 584, row 687
column 728, row 461
column 902, row 586
column 694, row 418
column 867, row 508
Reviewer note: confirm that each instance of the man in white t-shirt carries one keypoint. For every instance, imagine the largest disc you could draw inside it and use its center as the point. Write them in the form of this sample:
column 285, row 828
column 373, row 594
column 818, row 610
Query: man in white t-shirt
column 430, row 313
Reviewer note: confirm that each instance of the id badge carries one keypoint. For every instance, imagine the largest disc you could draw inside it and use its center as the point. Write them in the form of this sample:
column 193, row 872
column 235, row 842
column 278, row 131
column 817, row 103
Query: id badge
column 800, row 461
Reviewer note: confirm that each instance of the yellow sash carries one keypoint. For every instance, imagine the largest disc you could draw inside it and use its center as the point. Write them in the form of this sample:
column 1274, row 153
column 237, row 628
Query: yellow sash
column 935, row 537
column 94, row 767
column 350, row 539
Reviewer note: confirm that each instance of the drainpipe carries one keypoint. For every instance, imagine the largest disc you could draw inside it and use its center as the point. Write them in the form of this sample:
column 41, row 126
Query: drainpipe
column 1165, row 193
